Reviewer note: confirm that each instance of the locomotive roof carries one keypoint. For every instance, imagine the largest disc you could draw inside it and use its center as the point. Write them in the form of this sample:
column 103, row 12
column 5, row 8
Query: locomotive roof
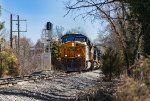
column 74, row 35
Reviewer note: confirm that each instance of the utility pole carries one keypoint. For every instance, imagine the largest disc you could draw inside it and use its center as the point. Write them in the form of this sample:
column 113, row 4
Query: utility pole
column 18, row 34
column 18, row 31
column 11, row 39
column 0, row 57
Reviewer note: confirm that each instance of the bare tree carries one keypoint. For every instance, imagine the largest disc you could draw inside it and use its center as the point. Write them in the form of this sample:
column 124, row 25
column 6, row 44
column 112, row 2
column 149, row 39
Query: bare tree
column 24, row 56
column 113, row 12
column 59, row 31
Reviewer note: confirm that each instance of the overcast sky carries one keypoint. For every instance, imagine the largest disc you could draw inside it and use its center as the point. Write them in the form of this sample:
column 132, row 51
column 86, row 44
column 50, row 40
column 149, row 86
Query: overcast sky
column 38, row 12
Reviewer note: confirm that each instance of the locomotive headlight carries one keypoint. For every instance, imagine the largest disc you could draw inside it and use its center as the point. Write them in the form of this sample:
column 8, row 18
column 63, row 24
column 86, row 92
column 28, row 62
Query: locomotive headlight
column 72, row 44
column 65, row 55
column 79, row 55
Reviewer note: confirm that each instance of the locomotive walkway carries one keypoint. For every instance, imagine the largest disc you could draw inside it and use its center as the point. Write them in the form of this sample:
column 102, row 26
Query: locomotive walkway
column 55, row 89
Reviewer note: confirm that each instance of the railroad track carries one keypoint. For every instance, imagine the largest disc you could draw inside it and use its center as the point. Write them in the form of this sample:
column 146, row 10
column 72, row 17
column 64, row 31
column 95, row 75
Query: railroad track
column 10, row 81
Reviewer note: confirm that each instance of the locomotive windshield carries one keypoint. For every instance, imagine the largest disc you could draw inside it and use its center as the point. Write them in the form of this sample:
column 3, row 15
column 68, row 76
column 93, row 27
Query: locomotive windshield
column 81, row 39
column 75, row 37
column 66, row 39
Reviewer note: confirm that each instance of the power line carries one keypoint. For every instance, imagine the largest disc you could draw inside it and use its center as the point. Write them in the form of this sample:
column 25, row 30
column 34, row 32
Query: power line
column 8, row 11
column 18, row 20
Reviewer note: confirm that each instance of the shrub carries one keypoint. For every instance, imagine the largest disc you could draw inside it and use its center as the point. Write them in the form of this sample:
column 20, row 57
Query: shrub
column 56, row 56
column 9, row 64
column 112, row 65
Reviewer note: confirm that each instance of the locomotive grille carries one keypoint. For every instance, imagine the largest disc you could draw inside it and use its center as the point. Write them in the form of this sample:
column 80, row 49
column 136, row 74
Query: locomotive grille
column 73, row 64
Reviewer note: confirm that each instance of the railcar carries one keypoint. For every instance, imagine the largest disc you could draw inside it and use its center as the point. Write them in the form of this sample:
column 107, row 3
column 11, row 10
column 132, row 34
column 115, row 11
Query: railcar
column 77, row 53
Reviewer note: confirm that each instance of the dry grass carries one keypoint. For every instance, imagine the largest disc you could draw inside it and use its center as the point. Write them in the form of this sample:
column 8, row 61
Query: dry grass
column 133, row 91
column 138, row 87
column 142, row 65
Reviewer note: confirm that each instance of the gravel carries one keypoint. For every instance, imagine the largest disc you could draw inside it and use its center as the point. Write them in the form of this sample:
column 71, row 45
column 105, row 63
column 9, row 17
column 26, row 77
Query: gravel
column 56, row 89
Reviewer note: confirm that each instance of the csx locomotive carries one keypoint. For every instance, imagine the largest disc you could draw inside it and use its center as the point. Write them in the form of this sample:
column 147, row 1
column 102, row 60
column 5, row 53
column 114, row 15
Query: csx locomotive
column 78, row 54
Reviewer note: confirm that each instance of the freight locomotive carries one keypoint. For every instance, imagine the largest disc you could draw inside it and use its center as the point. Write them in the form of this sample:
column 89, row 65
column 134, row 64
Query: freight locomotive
column 78, row 53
